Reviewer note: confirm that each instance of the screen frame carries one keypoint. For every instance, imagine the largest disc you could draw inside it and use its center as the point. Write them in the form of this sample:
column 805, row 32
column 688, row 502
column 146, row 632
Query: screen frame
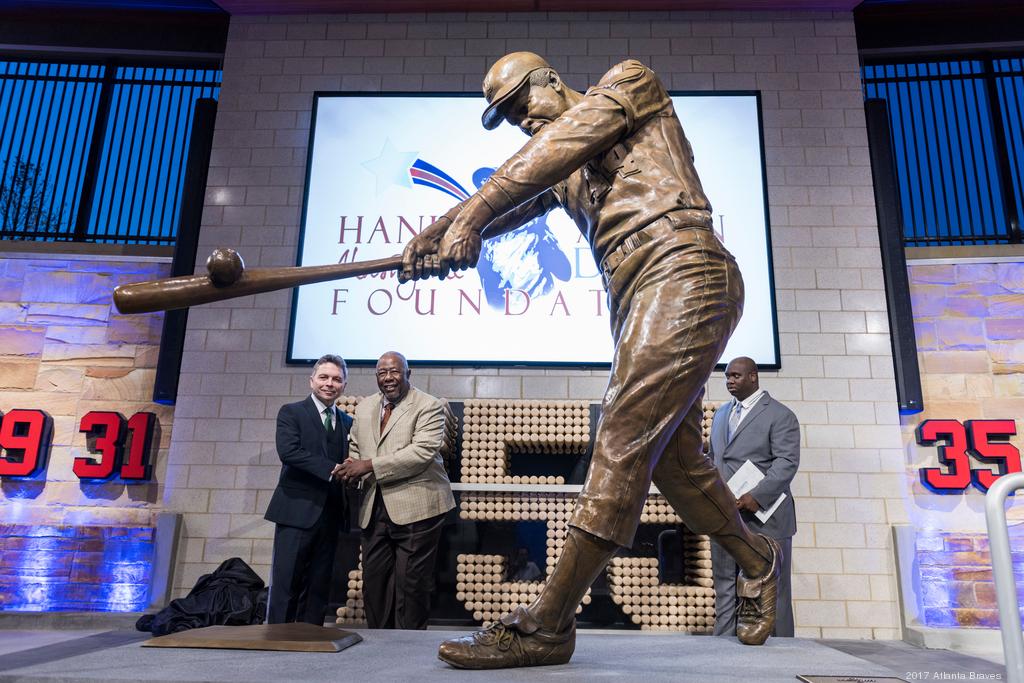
column 534, row 365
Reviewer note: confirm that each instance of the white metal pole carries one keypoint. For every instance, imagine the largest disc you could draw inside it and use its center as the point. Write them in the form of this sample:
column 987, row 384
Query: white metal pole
column 1002, row 573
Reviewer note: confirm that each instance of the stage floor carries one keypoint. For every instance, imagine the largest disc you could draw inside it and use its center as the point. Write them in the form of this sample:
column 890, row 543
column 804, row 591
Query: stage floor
column 404, row 655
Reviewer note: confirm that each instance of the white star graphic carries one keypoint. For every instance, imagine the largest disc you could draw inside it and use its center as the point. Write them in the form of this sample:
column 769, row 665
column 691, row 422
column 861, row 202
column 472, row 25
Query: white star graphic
column 391, row 167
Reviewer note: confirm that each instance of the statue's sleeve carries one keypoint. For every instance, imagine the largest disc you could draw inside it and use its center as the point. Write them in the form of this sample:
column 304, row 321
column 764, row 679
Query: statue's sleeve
column 625, row 98
column 637, row 90
column 555, row 152
column 521, row 215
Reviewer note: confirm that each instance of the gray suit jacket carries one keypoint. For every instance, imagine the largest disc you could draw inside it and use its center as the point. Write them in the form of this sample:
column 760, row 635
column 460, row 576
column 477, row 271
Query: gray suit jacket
column 407, row 466
column 768, row 436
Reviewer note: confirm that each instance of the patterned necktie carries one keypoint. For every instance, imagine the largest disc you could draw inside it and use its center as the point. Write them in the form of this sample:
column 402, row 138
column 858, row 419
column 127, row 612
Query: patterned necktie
column 388, row 407
column 734, row 418
column 328, row 422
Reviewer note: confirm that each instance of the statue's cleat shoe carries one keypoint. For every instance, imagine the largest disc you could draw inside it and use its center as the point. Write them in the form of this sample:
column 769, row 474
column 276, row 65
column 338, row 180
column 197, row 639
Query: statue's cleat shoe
column 514, row 640
column 758, row 601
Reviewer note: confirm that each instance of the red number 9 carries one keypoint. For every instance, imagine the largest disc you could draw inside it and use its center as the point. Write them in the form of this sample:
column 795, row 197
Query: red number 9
column 24, row 442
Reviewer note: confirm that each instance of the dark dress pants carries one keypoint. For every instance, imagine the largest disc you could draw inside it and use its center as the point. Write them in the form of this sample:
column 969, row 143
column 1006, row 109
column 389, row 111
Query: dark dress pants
column 725, row 571
column 398, row 569
column 302, row 567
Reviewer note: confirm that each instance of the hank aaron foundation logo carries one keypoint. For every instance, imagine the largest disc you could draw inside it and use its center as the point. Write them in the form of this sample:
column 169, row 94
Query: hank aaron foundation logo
column 519, row 271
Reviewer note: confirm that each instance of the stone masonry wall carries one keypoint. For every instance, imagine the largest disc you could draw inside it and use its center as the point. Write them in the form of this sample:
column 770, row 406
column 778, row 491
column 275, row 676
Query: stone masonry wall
column 969, row 321
column 65, row 350
column 955, row 574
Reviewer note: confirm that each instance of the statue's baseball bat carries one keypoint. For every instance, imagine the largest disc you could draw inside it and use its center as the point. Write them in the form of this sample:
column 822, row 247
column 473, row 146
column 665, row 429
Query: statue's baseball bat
column 228, row 278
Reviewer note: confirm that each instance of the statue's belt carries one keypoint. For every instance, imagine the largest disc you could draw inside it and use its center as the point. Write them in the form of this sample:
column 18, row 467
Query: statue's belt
column 677, row 220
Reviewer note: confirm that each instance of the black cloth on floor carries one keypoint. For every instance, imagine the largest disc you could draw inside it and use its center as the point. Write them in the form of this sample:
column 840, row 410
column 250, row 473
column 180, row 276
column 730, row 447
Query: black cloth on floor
column 233, row 595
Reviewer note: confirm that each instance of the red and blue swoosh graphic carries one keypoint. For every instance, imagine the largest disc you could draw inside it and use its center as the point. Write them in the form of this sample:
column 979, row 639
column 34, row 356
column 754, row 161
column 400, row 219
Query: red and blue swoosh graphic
column 428, row 175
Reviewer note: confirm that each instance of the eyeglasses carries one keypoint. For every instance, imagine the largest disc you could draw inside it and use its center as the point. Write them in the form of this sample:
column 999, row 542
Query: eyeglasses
column 389, row 373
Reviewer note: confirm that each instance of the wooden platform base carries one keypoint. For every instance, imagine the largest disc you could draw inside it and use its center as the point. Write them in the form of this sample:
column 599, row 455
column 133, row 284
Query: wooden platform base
column 297, row 637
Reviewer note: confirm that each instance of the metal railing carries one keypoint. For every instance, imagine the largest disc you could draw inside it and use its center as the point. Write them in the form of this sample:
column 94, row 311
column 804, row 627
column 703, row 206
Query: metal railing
column 95, row 152
column 1009, row 80
column 1002, row 573
column 957, row 136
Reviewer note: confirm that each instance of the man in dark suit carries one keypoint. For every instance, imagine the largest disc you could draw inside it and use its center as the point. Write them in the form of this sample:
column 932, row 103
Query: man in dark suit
column 308, row 506
column 755, row 427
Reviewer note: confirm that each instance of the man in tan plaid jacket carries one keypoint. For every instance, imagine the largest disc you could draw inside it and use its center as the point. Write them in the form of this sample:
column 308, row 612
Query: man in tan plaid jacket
column 395, row 452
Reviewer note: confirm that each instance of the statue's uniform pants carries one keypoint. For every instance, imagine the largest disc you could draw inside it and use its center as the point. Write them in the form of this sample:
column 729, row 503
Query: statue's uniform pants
column 673, row 302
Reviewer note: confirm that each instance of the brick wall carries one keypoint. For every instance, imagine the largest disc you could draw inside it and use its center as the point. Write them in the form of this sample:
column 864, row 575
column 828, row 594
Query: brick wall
column 81, row 568
column 837, row 370
column 955, row 574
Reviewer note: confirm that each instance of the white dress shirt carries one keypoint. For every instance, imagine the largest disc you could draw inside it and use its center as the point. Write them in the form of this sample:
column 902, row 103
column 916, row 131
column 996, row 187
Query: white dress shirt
column 322, row 409
column 747, row 403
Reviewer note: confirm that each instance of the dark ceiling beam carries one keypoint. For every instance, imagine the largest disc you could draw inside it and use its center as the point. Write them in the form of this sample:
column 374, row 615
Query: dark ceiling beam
column 886, row 25
column 405, row 6
column 133, row 29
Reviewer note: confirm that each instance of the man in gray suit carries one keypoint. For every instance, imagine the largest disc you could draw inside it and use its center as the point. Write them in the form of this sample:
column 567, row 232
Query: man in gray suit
column 395, row 451
column 755, row 427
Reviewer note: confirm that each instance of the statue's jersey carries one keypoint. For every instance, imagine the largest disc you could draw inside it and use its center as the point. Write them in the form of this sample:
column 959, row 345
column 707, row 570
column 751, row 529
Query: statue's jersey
column 616, row 161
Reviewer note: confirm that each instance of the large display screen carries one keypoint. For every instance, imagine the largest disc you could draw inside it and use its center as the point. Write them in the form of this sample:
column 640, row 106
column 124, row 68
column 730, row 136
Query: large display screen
column 382, row 167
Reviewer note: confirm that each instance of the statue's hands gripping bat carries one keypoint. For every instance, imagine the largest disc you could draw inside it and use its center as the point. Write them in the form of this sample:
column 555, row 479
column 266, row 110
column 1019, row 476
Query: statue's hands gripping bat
column 452, row 242
column 460, row 247
column 420, row 259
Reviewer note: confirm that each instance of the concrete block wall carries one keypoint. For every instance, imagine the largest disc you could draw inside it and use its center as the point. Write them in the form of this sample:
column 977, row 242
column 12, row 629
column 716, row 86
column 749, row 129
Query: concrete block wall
column 837, row 370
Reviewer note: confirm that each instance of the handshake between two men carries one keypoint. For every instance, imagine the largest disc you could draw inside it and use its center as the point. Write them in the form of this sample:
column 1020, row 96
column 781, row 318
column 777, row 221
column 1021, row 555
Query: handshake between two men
column 351, row 472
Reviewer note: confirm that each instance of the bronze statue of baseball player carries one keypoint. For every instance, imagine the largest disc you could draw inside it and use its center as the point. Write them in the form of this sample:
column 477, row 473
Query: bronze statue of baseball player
column 617, row 161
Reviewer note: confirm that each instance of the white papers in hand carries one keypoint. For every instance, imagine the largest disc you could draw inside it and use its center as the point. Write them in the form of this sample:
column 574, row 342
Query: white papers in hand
column 745, row 479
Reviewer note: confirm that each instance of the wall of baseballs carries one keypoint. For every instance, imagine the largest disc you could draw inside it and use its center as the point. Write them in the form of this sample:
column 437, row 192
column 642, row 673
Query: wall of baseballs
column 497, row 432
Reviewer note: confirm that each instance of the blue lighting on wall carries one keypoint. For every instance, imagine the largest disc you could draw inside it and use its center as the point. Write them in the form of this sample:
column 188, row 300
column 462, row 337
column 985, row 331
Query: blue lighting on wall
column 76, row 568
column 158, row 5
column 954, row 578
